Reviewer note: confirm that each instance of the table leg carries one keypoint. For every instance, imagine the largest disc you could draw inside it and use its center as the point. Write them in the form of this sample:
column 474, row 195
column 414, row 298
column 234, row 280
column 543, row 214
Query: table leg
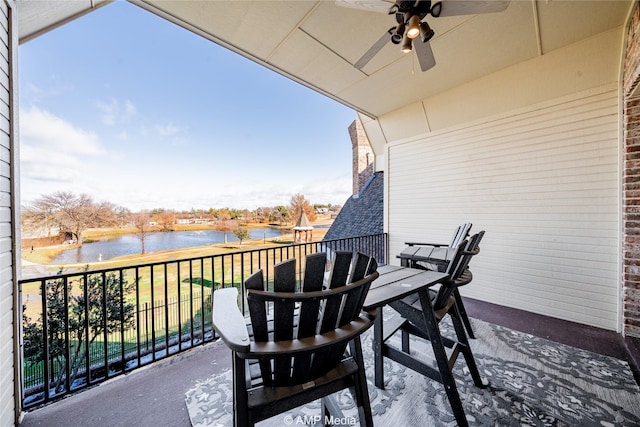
column 442, row 359
column 377, row 349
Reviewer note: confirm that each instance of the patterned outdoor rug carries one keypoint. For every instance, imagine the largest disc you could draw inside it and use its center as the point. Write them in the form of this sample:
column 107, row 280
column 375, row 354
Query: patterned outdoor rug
column 533, row 381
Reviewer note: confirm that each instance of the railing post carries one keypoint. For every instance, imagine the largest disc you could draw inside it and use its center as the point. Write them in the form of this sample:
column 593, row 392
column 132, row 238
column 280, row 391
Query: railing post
column 146, row 324
column 45, row 339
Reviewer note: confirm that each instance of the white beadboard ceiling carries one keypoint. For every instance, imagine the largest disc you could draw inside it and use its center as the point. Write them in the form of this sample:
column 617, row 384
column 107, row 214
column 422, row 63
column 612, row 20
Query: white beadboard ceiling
column 316, row 43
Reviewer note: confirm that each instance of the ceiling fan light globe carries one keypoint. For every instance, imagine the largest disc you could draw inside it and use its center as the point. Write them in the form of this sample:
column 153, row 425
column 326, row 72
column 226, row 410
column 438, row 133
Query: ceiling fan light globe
column 426, row 32
column 407, row 45
column 414, row 27
column 398, row 34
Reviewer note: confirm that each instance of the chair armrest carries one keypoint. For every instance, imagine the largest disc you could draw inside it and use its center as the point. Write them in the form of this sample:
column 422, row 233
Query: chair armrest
column 228, row 321
column 425, row 244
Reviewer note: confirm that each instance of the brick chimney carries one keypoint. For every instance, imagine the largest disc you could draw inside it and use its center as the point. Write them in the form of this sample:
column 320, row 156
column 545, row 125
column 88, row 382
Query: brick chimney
column 362, row 156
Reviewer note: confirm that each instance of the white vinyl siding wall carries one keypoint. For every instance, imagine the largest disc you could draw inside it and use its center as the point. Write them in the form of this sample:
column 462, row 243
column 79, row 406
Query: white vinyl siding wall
column 7, row 414
column 543, row 182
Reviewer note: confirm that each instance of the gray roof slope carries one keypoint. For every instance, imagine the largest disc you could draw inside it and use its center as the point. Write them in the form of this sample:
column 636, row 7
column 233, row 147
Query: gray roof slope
column 361, row 215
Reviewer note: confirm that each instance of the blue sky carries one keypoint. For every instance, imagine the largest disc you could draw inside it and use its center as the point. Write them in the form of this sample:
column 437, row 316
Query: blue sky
column 129, row 108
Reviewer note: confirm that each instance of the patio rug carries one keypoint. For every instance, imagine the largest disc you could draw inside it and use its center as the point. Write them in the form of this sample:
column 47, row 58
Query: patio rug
column 533, row 381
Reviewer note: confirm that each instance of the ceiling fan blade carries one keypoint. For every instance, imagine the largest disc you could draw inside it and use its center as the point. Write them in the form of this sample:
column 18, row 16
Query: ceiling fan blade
column 472, row 7
column 373, row 50
column 381, row 6
column 424, row 54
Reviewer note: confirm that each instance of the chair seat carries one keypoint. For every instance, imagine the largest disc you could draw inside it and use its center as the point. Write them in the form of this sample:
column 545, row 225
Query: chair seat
column 413, row 301
column 333, row 381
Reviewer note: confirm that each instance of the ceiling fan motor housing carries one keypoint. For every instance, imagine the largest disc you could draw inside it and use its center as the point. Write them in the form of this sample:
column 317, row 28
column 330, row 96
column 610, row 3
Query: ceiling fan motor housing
column 403, row 9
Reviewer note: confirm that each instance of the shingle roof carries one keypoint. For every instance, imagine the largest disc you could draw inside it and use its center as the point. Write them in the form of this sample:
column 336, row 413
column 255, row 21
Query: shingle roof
column 361, row 215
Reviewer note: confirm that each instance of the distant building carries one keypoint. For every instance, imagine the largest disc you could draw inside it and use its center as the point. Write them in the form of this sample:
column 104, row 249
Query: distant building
column 303, row 230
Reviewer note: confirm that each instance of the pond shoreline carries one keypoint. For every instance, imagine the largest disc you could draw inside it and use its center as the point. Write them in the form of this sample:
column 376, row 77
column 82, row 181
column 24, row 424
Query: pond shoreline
column 38, row 261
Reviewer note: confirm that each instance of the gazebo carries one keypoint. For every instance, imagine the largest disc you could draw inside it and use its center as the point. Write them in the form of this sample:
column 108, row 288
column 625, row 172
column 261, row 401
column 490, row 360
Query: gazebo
column 303, row 226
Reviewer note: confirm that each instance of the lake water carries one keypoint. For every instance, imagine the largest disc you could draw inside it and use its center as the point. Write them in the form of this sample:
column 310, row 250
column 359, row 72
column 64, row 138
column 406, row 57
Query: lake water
column 130, row 244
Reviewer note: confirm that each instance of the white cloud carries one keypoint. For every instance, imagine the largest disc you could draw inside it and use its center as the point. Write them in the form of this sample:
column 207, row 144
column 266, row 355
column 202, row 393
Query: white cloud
column 178, row 195
column 41, row 129
column 177, row 192
column 129, row 109
column 114, row 113
column 167, row 130
column 53, row 152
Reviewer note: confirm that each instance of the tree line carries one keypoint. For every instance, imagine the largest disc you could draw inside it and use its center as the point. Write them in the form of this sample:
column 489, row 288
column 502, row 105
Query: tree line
column 73, row 214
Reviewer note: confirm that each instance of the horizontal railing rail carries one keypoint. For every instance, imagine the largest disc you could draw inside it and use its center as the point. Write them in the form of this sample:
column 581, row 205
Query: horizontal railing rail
column 89, row 326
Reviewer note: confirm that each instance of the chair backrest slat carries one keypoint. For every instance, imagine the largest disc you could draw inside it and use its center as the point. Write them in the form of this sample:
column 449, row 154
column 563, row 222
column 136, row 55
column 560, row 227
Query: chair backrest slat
column 359, row 267
column 284, row 280
column 315, row 266
column 331, row 312
column 313, row 280
column 355, row 299
column 372, row 268
column 257, row 310
column 259, row 320
column 461, row 233
column 340, row 270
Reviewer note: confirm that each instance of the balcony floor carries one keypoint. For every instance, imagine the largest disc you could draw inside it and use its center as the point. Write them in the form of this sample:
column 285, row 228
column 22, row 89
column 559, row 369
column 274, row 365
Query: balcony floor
column 154, row 395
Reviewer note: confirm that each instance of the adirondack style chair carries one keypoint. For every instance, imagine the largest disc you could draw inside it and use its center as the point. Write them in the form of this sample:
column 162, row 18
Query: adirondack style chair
column 444, row 302
column 301, row 344
column 433, row 256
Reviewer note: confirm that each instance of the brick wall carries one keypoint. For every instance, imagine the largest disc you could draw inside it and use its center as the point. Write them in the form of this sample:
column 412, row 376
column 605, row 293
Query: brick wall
column 363, row 159
column 631, row 183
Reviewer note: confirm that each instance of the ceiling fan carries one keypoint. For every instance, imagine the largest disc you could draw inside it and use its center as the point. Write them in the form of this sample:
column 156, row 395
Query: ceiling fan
column 411, row 30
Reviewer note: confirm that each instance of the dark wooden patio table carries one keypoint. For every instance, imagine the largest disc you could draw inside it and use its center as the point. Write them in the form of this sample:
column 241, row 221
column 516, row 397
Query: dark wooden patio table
column 395, row 283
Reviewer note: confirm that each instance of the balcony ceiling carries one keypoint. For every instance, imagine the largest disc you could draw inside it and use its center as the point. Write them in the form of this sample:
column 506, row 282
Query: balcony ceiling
column 316, row 42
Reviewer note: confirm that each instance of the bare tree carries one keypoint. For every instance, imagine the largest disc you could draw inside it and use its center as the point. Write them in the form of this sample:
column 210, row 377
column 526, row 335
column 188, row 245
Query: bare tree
column 225, row 226
column 142, row 222
column 266, row 213
column 166, row 220
column 122, row 216
column 71, row 213
column 299, row 204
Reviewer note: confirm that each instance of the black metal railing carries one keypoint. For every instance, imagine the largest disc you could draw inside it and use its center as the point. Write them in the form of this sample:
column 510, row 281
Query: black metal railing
column 90, row 326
